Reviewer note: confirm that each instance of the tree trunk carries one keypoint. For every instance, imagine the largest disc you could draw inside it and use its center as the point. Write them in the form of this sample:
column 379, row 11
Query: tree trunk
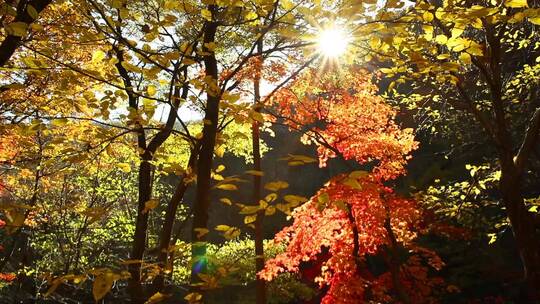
column 523, row 226
column 391, row 256
column 204, row 162
column 141, row 225
column 257, row 184
column 135, row 289
column 166, row 232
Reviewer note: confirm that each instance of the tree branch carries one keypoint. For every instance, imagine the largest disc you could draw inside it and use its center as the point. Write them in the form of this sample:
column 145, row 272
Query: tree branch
column 531, row 138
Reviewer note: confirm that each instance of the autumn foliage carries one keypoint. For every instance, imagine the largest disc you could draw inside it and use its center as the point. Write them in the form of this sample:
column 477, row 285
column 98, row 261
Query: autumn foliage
column 341, row 113
column 354, row 216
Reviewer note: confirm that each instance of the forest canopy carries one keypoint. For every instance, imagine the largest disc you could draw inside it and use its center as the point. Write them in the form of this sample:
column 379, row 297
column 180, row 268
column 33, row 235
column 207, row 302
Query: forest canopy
column 269, row 151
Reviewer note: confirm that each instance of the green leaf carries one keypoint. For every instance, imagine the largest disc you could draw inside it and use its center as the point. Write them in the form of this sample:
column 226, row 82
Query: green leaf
column 32, row 12
column 353, row 183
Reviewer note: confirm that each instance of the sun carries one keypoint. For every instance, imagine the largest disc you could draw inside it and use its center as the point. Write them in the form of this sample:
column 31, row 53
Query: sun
column 332, row 42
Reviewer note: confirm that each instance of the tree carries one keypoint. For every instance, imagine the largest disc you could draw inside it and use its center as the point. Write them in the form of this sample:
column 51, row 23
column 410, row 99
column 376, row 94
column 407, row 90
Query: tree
column 354, row 215
column 471, row 58
column 23, row 14
column 220, row 89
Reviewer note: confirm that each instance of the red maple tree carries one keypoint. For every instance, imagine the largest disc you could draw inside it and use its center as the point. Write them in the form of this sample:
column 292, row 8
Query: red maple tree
column 354, row 217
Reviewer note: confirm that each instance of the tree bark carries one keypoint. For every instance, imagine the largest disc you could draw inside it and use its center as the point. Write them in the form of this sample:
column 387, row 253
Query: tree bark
column 257, row 183
column 11, row 42
column 522, row 222
column 141, row 226
column 135, row 288
column 523, row 226
column 205, row 160
column 392, row 260
column 166, row 232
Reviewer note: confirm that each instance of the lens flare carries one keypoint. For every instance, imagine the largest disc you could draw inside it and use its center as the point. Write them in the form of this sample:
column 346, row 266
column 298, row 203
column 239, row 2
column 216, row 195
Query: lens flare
column 333, row 42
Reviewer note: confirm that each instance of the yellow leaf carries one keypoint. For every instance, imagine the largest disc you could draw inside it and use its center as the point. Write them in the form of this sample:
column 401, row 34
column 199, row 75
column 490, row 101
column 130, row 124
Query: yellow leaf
column 270, row 210
column 227, row 187
column 217, row 177
column 515, row 3
column 250, row 219
column 277, row 185
column 492, row 238
column 441, row 39
column 427, row 16
column 323, row 198
column 465, row 58
column 98, row 56
column 156, row 298
column 102, row 285
column 374, row 42
column 534, row 20
column 201, row 232
column 124, row 167
column 457, row 31
column 294, row 200
column 255, row 172
column 287, row 5
column 206, row 14
column 477, row 23
column 220, row 151
column 222, row 227
column 251, row 16
column 193, row 297
column 210, row 46
column 226, row 201
column 231, row 233
column 270, row 197
column 220, row 168
column 17, row 29
column 151, row 90
column 249, row 210
column 94, row 213
column 149, row 205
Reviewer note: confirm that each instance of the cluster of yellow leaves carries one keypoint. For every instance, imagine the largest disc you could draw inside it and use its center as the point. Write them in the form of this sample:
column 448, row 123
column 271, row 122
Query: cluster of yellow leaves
column 104, row 279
